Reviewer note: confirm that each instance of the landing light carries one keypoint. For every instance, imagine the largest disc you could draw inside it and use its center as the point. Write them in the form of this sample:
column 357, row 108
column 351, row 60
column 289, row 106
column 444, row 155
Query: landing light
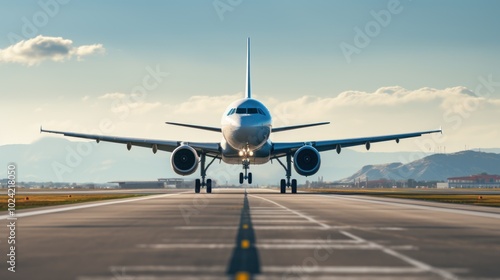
column 245, row 152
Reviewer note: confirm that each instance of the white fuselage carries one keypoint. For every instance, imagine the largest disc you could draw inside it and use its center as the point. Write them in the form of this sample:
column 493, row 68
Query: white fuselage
column 246, row 127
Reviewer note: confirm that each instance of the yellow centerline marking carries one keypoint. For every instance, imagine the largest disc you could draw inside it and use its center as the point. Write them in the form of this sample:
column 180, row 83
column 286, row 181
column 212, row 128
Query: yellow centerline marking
column 245, row 244
column 242, row 275
column 245, row 226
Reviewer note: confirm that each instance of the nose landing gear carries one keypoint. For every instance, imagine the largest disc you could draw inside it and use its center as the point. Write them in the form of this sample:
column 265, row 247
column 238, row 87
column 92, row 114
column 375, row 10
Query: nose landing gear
column 247, row 175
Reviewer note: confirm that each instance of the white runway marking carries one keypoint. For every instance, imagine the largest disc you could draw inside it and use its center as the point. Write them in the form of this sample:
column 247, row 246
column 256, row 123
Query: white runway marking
column 272, row 269
column 187, row 246
column 308, row 241
column 206, row 227
column 341, row 245
column 260, row 227
column 348, row 269
column 165, row 268
column 260, row 221
column 263, row 207
column 268, row 272
column 260, row 216
column 316, row 246
column 288, row 227
column 260, row 277
column 259, row 245
column 312, row 220
column 422, row 207
column 269, row 211
column 418, row 264
column 76, row 207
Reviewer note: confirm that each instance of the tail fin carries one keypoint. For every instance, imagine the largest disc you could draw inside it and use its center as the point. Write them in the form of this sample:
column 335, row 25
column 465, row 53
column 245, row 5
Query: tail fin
column 248, row 91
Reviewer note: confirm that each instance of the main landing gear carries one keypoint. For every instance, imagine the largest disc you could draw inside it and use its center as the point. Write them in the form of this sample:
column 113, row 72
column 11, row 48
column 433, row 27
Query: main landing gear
column 288, row 169
column 247, row 175
column 198, row 184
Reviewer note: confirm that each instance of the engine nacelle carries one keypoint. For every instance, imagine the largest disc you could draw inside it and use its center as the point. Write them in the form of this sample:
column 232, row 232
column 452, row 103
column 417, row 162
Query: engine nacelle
column 184, row 160
column 306, row 161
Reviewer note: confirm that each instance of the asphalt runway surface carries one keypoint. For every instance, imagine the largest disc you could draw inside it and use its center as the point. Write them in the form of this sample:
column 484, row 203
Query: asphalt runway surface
column 261, row 234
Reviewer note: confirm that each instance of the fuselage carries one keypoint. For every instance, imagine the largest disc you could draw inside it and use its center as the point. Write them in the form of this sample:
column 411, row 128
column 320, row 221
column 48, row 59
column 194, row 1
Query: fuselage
column 246, row 127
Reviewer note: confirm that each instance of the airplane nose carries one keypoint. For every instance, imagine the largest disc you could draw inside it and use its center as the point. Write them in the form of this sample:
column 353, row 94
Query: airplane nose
column 253, row 136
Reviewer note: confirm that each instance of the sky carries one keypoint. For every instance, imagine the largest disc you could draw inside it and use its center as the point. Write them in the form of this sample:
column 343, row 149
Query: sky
column 368, row 67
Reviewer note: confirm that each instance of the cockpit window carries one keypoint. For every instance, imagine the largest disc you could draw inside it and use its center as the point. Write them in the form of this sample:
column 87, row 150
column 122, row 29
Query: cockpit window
column 241, row 110
column 252, row 111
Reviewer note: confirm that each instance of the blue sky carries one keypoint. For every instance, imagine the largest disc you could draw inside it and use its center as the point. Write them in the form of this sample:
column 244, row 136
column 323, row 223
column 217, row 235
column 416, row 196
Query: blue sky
column 296, row 52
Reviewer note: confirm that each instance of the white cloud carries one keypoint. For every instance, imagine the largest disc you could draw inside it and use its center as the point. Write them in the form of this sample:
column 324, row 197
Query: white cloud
column 389, row 110
column 136, row 107
column 113, row 95
column 124, row 103
column 387, row 99
column 35, row 50
column 203, row 104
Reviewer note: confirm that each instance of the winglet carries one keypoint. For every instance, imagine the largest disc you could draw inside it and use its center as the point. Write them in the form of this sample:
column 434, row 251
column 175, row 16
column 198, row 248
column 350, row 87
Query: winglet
column 441, row 129
column 248, row 91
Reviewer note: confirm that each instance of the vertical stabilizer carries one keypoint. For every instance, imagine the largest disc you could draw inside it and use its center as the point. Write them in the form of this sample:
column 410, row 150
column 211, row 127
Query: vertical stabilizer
column 248, row 91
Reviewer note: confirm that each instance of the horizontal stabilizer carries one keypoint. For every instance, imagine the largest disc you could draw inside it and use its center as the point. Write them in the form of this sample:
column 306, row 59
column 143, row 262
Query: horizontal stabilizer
column 285, row 128
column 209, row 128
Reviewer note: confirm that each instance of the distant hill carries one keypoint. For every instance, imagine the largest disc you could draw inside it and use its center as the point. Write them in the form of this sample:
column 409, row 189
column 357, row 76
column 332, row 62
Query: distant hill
column 433, row 167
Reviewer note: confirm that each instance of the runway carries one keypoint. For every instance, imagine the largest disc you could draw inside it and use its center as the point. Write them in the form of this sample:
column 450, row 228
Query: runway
column 258, row 234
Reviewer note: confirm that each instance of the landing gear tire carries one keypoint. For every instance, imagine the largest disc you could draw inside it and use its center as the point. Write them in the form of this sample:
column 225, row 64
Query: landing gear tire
column 294, row 186
column 241, row 178
column 283, row 186
column 197, row 186
column 250, row 178
column 209, row 185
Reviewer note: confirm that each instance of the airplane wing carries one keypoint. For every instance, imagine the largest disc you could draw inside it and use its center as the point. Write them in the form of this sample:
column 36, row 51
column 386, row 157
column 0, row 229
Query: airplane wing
column 286, row 128
column 281, row 149
column 209, row 128
column 211, row 149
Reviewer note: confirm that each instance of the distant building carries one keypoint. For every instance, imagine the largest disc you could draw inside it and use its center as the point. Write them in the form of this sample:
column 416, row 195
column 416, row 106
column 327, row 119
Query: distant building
column 442, row 185
column 475, row 181
column 140, row 184
column 3, row 183
column 177, row 183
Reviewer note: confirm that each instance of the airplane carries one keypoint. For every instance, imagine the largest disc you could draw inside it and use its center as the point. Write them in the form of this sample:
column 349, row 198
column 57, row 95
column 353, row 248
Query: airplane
column 246, row 127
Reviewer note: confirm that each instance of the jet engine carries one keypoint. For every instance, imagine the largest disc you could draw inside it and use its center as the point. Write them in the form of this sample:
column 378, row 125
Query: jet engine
column 184, row 160
column 306, row 161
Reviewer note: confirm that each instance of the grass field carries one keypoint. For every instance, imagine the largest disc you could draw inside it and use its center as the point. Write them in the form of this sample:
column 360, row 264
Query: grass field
column 38, row 200
column 458, row 197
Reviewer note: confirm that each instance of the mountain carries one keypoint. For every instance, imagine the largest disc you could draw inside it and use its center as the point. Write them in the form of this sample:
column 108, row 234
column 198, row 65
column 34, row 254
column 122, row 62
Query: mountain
column 434, row 167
